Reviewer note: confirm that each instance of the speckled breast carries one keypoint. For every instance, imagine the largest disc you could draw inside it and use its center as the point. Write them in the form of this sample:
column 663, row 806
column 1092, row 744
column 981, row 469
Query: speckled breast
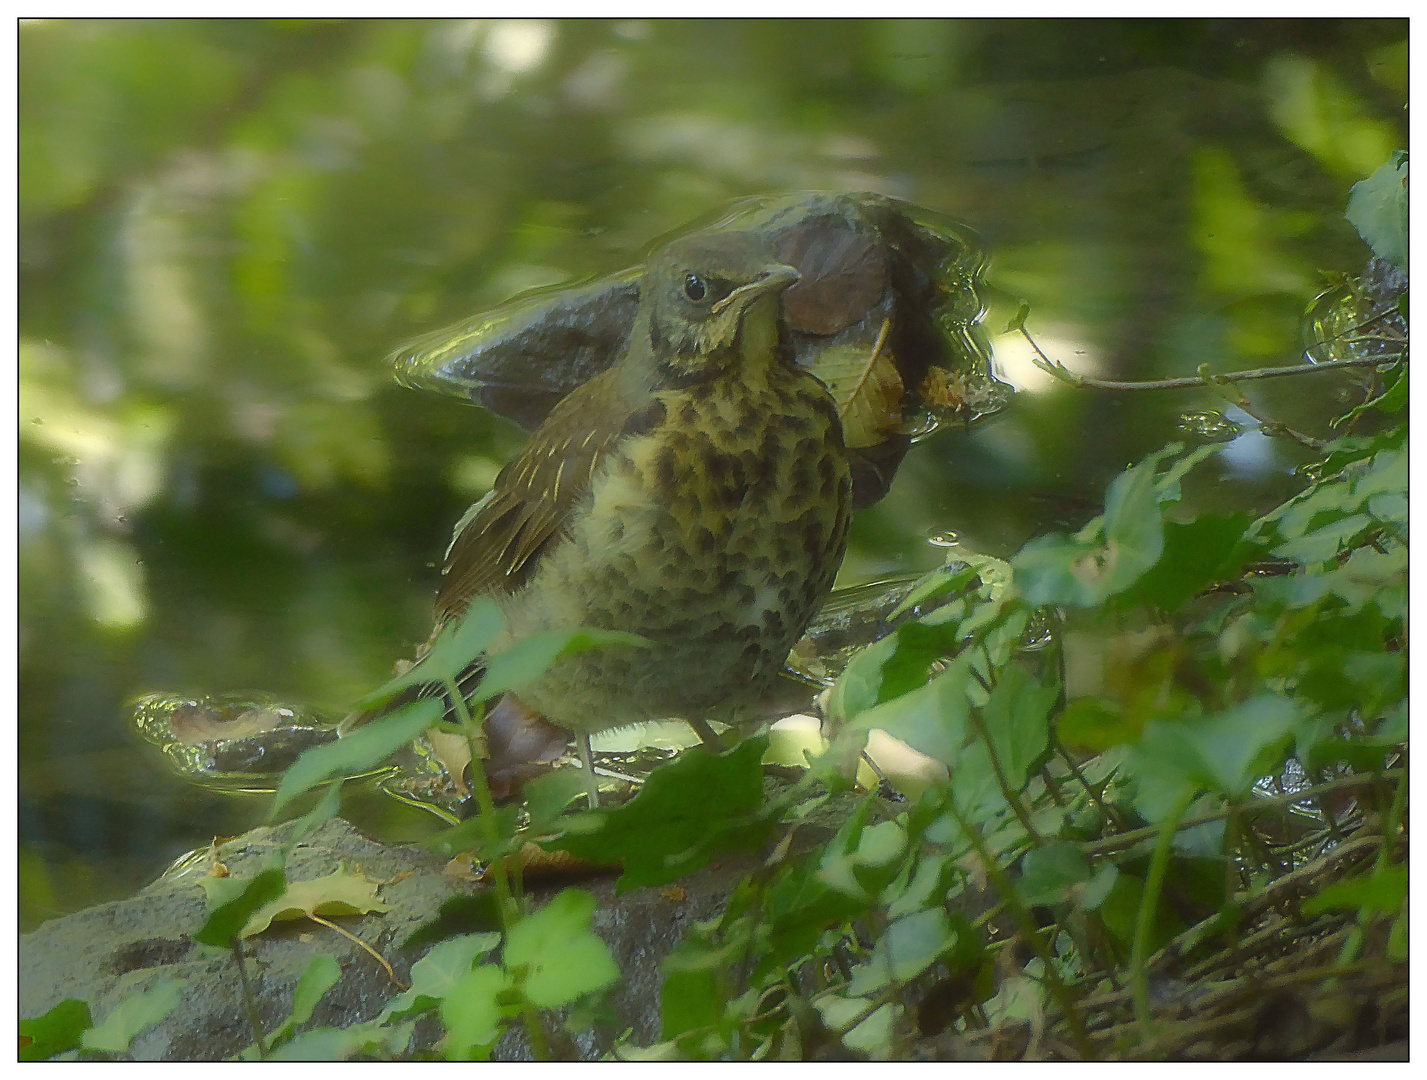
column 715, row 534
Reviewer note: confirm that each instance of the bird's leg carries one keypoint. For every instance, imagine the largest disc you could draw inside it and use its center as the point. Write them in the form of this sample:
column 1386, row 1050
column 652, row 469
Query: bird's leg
column 705, row 733
column 587, row 762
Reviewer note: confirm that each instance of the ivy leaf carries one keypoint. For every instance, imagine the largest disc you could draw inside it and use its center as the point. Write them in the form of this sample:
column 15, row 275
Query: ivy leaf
column 1377, row 208
column 359, row 752
column 688, row 999
column 436, row 973
column 133, row 1015
column 1382, row 891
column 60, row 1029
column 233, row 902
column 932, row 719
column 1048, row 872
column 563, row 959
column 455, row 649
column 340, row 1044
column 909, row 946
column 1017, row 718
column 1224, row 753
column 320, row 975
column 1113, row 551
column 547, row 796
column 531, row 657
column 472, row 1015
column 1095, row 724
column 1197, row 555
column 662, row 833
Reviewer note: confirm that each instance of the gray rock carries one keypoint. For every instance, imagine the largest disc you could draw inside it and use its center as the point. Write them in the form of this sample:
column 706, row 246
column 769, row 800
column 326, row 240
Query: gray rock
column 104, row 954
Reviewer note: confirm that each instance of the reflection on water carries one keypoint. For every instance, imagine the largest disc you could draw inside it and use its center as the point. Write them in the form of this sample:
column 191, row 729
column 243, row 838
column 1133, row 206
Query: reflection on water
column 224, row 227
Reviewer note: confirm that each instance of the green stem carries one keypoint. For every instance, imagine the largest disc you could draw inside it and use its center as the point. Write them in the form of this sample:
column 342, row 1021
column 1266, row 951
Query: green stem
column 1390, row 826
column 250, row 1005
column 509, row 911
column 1149, row 904
column 1007, row 891
column 1013, row 799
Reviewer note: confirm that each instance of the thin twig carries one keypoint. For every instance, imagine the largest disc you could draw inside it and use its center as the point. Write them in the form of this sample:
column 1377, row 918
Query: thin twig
column 1064, row 374
column 355, row 940
column 1129, row 839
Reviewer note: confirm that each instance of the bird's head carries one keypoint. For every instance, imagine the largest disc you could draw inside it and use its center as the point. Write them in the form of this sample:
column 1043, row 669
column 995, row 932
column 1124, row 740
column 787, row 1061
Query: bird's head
column 708, row 301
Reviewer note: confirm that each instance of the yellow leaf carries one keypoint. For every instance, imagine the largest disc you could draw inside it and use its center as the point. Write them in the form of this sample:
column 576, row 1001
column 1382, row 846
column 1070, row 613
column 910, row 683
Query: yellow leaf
column 867, row 388
column 339, row 893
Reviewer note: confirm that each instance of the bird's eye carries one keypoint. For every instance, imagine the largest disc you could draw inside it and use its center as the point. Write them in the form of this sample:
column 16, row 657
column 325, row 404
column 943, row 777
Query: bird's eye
column 694, row 287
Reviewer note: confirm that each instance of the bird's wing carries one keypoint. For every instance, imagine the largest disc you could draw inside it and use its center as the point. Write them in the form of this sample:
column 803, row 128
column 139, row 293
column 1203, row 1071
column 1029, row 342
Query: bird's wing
column 498, row 543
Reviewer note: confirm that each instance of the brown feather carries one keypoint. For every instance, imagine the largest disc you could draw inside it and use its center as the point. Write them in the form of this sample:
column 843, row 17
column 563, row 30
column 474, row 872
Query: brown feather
column 496, row 546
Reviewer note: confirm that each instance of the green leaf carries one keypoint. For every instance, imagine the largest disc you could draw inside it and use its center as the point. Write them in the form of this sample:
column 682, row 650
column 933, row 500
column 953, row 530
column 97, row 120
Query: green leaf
column 138, row 1011
column 228, row 916
column 1095, row 724
column 926, row 887
column 323, row 811
column 563, row 959
column 60, row 1029
column 689, row 999
column 698, row 804
column 1382, row 891
column 1224, row 753
column 1397, row 939
column 1112, row 552
column 1391, row 401
column 455, row 649
column 1197, row 555
column 873, row 1036
column 358, row 752
column 434, row 975
column 320, row 975
column 1049, row 872
column 860, row 860
column 1098, row 888
column 472, row 1015
column 909, row 946
column 1017, row 718
column 531, row 657
column 1018, row 320
column 547, row 796
column 932, row 719
column 340, row 1044
column 1377, row 208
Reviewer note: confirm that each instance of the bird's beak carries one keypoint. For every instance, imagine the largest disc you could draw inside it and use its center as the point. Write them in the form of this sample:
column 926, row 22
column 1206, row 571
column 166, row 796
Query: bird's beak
column 773, row 278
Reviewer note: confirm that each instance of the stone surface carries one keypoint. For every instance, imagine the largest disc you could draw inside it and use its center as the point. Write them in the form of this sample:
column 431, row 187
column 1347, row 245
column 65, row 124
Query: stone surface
column 106, row 953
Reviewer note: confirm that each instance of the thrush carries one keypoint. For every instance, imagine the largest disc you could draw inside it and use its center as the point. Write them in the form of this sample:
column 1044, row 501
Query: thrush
column 696, row 493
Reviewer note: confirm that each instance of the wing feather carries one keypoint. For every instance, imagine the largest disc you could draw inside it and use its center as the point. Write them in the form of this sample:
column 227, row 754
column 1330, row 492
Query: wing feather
column 498, row 541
